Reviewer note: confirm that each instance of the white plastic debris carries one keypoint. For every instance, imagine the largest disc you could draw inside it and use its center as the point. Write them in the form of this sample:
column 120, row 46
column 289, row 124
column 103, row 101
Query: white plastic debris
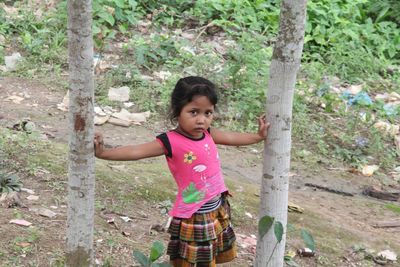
column 368, row 170
column 387, row 128
column 125, row 218
column 21, row 222
column 388, row 255
column 32, row 197
column 128, row 104
column 15, row 99
column 248, row 214
column 29, row 191
column 99, row 111
column 163, row 75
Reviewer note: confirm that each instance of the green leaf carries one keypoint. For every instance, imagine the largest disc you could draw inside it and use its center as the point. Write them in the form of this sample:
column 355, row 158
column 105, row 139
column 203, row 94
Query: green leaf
column 308, row 239
column 264, row 224
column 278, row 230
column 107, row 17
column 141, row 258
column 95, row 29
column 382, row 14
column 120, row 3
column 133, row 4
column 123, row 28
column 156, row 251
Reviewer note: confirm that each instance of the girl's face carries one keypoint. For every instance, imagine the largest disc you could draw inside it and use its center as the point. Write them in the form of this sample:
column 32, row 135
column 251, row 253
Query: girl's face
column 196, row 116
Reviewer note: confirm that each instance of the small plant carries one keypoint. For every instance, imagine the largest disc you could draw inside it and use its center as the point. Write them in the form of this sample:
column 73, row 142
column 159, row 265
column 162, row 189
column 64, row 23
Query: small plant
column 265, row 224
column 9, row 183
column 157, row 250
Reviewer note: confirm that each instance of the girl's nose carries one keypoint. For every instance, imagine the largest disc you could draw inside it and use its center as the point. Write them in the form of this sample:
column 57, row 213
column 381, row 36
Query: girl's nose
column 201, row 119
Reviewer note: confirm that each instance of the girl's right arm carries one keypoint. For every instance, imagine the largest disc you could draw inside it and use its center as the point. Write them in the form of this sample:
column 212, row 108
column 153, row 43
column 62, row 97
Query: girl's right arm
column 129, row 152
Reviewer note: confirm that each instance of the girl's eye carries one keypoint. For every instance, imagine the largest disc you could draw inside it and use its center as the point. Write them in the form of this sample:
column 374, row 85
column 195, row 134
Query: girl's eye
column 193, row 112
column 209, row 113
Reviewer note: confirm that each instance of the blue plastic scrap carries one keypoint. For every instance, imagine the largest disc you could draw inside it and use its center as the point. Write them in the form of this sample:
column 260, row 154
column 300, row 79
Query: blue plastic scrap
column 362, row 98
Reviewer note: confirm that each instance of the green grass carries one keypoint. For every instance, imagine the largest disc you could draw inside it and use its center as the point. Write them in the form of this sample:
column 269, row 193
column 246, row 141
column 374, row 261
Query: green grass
column 393, row 207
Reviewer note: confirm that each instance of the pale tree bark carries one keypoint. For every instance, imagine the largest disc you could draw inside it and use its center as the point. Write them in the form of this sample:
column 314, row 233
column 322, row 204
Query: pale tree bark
column 81, row 179
column 275, row 180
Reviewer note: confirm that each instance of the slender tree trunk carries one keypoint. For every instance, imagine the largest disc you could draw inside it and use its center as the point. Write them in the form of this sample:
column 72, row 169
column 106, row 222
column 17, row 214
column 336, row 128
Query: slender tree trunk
column 275, row 181
column 81, row 179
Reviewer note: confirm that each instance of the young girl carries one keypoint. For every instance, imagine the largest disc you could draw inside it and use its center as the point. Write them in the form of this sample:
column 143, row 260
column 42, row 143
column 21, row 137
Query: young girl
column 201, row 232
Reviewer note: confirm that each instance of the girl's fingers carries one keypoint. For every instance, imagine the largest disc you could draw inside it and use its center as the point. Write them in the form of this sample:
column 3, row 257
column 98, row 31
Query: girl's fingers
column 98, row 139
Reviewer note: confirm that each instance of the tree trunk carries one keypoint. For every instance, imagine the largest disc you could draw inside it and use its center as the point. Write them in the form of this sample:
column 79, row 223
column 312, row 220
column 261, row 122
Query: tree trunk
column 81, row 179
column 275, row 180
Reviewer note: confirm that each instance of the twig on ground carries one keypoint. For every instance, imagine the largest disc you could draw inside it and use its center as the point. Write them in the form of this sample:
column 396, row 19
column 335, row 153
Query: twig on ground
column 387, row 224
column 329, row 189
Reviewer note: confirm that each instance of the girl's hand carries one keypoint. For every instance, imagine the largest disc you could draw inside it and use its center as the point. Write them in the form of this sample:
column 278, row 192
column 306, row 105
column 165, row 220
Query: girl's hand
column 98, row 144
column 263, row 126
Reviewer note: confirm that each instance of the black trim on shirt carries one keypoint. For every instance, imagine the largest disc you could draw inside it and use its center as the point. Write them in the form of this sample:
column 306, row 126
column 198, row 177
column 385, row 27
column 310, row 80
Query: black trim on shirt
column 164, row 139
column 191, row 138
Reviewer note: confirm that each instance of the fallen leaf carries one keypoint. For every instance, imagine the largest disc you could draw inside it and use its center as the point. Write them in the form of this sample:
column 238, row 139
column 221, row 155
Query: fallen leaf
column 23, row 244
column 295, row 208
column 125, row 233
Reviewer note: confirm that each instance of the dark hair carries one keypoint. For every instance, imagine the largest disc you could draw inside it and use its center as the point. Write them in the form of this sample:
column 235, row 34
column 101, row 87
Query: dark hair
column 187, row 88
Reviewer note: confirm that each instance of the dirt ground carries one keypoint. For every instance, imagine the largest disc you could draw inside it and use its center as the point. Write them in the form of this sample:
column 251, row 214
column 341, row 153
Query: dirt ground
column 339, row 221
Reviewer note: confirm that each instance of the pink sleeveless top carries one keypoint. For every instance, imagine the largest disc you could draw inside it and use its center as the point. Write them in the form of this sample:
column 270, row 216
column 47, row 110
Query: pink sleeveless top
column 195, row 166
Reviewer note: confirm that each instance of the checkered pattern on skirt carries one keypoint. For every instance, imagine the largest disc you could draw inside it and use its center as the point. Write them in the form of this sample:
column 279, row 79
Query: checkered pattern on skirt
column 201, row 238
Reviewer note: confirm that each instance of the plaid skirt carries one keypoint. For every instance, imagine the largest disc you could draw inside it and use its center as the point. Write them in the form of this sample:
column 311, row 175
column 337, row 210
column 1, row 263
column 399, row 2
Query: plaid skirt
column 202, row 240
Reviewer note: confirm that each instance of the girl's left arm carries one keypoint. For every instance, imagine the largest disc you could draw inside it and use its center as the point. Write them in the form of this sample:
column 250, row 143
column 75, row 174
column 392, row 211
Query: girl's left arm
column 241, row 139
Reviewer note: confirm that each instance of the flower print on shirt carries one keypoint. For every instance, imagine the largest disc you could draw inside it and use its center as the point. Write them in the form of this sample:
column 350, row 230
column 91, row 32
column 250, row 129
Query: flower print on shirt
column 189, row 157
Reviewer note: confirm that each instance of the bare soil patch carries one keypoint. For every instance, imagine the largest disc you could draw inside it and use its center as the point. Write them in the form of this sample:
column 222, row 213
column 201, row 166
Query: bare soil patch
column 336, row 221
